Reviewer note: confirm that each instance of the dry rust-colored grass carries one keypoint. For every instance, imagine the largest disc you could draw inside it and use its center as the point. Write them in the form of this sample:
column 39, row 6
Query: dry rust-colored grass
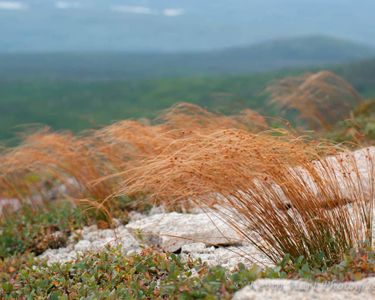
column 272, row 183
column 46, row 160
column 321, row 98
column 280, row 187
column 191, row 116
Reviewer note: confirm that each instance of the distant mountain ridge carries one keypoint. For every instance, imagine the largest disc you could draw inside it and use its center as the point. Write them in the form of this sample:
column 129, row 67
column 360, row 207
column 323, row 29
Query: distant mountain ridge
column 301, row 52
column 178, row 25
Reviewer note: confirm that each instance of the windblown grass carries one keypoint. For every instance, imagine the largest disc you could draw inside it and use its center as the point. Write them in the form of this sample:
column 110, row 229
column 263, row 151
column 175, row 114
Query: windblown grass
column 321, row 98
column 283, row 189
column 74, row 166
column 190, row 116
column 47, row 159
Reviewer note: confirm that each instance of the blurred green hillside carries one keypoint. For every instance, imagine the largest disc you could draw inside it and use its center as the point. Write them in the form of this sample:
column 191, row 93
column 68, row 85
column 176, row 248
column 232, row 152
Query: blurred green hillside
column 78, row 105
column 83, row 104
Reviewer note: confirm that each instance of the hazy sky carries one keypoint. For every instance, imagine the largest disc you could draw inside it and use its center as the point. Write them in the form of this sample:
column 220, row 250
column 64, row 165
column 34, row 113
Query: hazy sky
column 179, row 25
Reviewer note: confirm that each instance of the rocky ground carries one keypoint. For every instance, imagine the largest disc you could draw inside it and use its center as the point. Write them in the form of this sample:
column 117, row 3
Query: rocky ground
column 204, row 236
column 200, row 235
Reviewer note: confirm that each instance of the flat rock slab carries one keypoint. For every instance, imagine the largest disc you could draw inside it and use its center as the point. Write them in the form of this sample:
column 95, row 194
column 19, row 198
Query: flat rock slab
column 171, row 231
column 272, row 289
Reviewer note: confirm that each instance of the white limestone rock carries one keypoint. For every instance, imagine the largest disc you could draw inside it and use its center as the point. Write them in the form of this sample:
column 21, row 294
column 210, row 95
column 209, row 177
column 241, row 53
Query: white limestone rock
column 171, row 231
column 228, row 257
column 92, row 239
column 82, row 246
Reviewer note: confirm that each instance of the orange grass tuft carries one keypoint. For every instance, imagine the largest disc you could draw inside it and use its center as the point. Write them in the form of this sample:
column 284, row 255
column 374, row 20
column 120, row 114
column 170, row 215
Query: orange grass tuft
column 321, row 98
column 279, row 187
column 194, row 117
column 46, row 160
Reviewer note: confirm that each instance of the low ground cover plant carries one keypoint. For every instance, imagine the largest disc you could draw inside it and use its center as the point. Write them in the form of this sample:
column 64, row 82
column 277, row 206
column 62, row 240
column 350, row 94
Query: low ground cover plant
column 156, row 275
column 111, row 275
column 34, row 230
column 359, row 128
